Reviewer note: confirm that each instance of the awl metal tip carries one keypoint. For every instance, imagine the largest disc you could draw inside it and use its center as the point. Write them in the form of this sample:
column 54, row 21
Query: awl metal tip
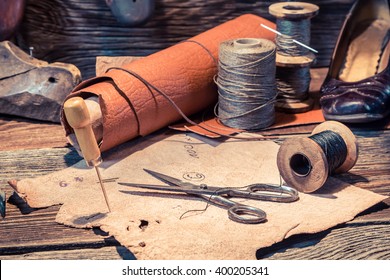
column 103, row 188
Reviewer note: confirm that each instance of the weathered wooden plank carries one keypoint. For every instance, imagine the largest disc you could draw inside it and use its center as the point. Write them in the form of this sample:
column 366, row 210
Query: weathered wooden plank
column 30, row 163
column 104, row 253
column 19, row 133
column 76, row 31
column 355, row 240
column 371, row 171
column 25, row 229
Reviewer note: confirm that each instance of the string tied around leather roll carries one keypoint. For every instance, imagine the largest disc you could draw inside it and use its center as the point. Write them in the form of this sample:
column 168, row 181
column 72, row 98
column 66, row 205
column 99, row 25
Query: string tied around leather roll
column 246, row 83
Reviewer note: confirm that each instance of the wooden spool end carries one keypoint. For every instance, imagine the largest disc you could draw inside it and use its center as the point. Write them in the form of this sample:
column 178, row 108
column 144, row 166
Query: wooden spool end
column 245, row 43
column 295, row 61
column 293, row 10
column 349, row 139
column 302, row 163
column 294, row 107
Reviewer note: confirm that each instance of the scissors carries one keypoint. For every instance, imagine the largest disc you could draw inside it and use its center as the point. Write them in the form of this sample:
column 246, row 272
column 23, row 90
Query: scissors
column 237, row 212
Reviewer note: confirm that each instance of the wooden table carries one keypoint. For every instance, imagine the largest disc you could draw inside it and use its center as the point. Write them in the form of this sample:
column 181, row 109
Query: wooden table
column 32, row 148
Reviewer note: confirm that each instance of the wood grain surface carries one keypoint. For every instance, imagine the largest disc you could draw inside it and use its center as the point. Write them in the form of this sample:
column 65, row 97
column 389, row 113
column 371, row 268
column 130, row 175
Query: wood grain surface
column 372, row 242
column 33, row 233
column 20, row 133
column 76, row 31
column 31, row 148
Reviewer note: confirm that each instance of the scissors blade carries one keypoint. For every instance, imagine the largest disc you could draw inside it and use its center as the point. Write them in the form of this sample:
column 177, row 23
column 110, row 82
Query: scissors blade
column 187, row 187
column 169, row 180
column 163, row 188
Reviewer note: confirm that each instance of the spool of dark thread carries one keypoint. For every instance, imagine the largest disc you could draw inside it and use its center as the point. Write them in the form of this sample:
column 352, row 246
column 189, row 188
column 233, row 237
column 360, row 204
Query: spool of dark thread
column 305, row 163
column 246, row 83
column 293, row 61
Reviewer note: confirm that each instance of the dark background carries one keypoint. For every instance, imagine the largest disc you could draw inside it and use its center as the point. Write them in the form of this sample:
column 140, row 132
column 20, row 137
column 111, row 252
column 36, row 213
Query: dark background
column 76, row 31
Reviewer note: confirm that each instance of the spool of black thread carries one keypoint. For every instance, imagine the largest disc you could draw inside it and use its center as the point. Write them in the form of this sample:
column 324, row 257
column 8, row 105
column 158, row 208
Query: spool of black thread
column 305, row 163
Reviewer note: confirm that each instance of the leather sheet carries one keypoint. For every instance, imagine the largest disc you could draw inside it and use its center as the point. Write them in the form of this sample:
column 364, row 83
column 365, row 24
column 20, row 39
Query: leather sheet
column 148, row 222
column 184, row 72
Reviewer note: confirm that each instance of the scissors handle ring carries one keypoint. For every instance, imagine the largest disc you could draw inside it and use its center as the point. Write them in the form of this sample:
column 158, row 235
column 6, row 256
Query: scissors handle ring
column 236, row 213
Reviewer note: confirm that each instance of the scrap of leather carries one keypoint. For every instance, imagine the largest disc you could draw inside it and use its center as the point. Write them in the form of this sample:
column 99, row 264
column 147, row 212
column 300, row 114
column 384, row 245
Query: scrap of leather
column 184, row 72
column 215, row 128
column 151, row 223
column 33, row 88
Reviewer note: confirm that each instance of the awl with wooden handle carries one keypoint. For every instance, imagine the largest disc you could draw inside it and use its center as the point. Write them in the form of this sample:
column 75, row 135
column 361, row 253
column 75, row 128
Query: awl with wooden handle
column 78, row 117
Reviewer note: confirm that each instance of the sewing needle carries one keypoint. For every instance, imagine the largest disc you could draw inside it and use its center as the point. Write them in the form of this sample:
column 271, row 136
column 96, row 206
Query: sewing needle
column 295, row 41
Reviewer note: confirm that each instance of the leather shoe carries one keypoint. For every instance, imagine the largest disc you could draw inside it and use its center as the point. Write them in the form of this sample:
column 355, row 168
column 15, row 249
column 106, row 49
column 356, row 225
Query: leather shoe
column 357, row 86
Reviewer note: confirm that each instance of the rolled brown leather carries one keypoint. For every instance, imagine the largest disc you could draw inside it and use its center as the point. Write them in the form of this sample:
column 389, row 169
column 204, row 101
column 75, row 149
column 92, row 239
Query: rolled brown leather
column 184, row 72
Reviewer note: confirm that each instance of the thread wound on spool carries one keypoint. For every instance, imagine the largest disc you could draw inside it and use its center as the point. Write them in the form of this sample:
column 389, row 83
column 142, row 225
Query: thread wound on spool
column 293, row 60
column 293, row 29
column 292, row 83
column 246, row 83
column 305, row 163
column 333, row 146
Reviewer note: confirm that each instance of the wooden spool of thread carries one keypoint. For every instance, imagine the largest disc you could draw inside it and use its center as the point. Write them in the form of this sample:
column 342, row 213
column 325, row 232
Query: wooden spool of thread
column 246, row 83
column 306, row 162
column 292, row 60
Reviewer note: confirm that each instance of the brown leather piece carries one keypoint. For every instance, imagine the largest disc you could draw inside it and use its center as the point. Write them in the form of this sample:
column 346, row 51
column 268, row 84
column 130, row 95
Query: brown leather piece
column 184, row 72
column 216, row 128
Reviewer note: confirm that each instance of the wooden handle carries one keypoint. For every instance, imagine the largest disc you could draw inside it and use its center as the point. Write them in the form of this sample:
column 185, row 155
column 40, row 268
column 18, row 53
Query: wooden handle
column 78, row 117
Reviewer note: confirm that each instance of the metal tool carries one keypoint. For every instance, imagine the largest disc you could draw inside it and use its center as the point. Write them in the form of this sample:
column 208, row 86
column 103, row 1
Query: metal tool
column 295, row 41
column 237, row 212
column 77, row 115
